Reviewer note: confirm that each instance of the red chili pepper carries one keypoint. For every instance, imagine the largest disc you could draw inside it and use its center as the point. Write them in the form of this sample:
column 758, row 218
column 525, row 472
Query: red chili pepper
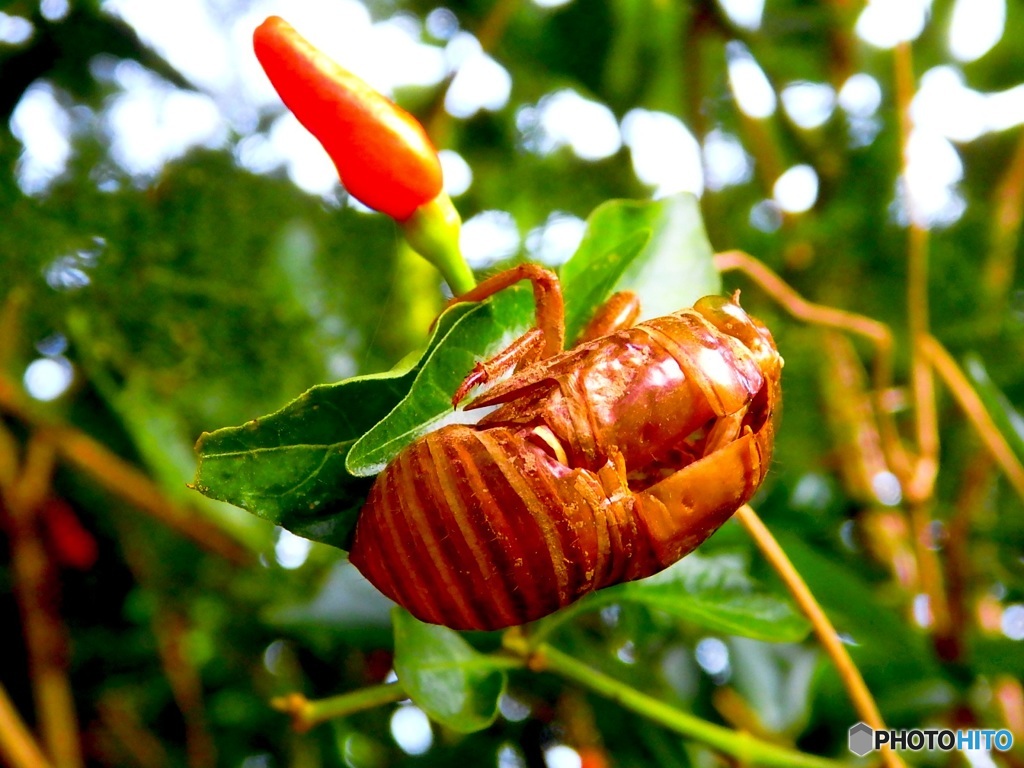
column 382, row 153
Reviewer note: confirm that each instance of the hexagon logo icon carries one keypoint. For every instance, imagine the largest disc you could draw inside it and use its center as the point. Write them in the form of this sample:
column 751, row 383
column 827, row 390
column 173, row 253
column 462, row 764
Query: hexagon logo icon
column 861, row 739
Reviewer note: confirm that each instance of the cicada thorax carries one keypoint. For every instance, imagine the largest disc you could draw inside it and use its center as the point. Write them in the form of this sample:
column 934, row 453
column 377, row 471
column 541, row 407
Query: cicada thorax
column 603, row 464
column 483, row 528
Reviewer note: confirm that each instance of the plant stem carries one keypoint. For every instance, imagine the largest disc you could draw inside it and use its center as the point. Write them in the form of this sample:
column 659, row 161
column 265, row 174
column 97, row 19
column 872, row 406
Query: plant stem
column 37, row 590
column 929, row 569
column 742, row 746
column 1008, row 202
column 921, row 483
column 518, row 649
column 170, row 628
column 592, row 602
column 122, row 479
column 975, row 411
column 17, row 746
column 975, row 484
column 862, row 699
column 307, row 714
column 119, row 721
column 433, row 232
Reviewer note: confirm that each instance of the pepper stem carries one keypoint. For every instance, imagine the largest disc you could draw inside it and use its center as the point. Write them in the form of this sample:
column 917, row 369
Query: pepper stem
column 433, row 232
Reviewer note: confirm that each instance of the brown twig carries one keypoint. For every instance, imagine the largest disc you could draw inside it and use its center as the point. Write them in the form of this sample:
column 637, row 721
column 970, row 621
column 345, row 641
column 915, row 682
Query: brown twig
column 129, row 737
column 695, row 32
column 306, row 713
column 493, row 27
column 917, row 477
column 170, row 629
column 122, row 479
column 36, row 590
column 972, row 406
column 10, row 325
column 975, row 484
column 1009, row 700
column 858, row 691
column 929, row 569
column 18, row 748
column 851, row 415
column 1008, row 200
column 920, row 485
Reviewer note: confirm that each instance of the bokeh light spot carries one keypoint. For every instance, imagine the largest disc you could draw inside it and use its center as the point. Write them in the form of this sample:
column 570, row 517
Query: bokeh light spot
column 48, row 377
column 411, row 730
column 796, row 190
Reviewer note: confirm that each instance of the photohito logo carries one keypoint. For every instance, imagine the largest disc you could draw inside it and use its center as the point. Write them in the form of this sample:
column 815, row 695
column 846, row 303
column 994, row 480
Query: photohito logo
column 863, row 739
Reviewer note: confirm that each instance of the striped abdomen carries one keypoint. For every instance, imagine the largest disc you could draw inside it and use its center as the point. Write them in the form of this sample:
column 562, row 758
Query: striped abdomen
column 482, row 529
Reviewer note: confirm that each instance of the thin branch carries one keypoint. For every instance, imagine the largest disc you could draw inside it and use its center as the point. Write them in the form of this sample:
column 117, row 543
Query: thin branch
column 128, row 736
column 36, row 590
column 18, row 748
column 746, row 748
column 493, row 27
column 972, row 406
column 921, row 483
column 858, row 691
column 306, row 713
column 976, row 481
column 517, row 649
column 850, row 412
column 802, row 309
column 10, row 325
column 1008, row 201
column 929, row 568
column 123, row 480
column 171, row 630
column 700, row 25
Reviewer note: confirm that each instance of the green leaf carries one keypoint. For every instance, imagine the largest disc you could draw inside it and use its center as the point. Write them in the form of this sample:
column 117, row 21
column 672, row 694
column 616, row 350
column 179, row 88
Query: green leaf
column 716, row 593
column 1007, row 418
column 454, row 684
column 289, row 467
column 482, row 331
column 657, row 249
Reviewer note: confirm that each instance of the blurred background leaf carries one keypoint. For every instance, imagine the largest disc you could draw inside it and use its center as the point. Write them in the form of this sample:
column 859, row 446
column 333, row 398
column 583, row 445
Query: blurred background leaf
column 176, row 256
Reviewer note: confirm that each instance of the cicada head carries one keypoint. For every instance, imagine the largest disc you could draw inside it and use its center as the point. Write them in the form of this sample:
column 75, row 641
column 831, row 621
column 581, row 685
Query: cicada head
column 726, row 314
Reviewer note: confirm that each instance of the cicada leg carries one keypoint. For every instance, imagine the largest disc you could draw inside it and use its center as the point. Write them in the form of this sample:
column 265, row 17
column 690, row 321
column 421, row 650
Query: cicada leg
column 620, row 311
column 523, row 350
column 544, row 340
column 547, row 293
column 681, row 511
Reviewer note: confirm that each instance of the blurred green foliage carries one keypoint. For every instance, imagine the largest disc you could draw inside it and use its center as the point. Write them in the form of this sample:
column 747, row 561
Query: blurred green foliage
column 209, row 295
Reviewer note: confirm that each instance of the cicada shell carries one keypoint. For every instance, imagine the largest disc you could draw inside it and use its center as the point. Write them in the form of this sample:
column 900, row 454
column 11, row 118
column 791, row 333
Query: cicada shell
column 602, row 464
